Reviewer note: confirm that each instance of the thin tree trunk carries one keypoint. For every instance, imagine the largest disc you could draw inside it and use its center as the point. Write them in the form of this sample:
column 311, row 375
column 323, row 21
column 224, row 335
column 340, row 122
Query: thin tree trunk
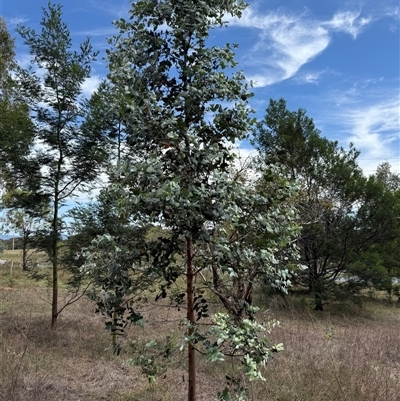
column 191, row 319
column 114, row 332
column 54, row 305
column 54, row 302
column 25, row 252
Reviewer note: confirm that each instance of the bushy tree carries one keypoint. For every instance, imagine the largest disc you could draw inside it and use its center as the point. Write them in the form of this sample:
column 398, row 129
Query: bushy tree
column 183, row 110
column 332, row 192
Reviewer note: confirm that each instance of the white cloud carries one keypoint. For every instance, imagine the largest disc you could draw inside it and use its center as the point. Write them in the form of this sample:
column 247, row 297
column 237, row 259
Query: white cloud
column 288, row 41
column 245, row 158
column 260, row 81
column 375, row 128
column 244, row 153
column 296, row 45
column 90, row 85
column 349, row 22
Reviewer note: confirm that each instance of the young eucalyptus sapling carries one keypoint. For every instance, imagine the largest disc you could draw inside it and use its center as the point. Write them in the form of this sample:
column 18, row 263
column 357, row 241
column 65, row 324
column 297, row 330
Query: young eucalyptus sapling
column 185, row 107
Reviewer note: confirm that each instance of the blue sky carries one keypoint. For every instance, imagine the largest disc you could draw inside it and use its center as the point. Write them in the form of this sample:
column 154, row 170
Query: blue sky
column 337, row 59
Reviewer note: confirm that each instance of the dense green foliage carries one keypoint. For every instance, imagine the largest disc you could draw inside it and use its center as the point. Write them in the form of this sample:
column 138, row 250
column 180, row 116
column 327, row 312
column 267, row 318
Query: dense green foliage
column 343, row 215
column 378, row 266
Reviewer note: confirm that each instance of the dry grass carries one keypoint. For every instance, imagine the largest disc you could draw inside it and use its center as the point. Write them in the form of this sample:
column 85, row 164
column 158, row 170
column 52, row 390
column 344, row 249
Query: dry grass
column 15, row 255
column 341, row 354
column 337, row 355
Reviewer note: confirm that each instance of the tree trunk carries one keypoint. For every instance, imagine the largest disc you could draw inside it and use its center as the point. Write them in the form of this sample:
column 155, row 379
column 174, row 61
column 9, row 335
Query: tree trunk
column 114, row 330
column 318, row 303
column 191, row 318
column 54, row 302
column 25, row 246
column 319, row 291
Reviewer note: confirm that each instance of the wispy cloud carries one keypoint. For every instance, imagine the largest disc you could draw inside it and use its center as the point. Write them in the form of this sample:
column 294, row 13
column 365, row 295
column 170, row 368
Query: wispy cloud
column 313, row 77
column 24, row 60
column 349, row 22
column 14, row 22
column 114, row 8
column 102, row 32
column 287, row 41
column 368, row 116
column 375, row 128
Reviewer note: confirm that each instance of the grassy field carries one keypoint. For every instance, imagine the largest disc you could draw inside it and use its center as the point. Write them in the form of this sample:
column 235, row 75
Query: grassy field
column 343, row 354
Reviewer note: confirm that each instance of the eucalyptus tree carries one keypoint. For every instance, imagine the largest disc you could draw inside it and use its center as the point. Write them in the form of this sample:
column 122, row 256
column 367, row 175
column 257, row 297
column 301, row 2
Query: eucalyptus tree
column 186, row 104
column 67, row 155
